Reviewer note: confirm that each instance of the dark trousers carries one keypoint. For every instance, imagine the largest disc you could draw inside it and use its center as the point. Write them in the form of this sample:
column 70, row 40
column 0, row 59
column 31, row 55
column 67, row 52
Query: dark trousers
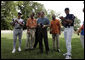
column 36, row 38
column 43, row 35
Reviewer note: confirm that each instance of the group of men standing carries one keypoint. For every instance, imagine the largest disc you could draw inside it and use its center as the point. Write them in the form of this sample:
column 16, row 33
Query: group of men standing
column 37, row 31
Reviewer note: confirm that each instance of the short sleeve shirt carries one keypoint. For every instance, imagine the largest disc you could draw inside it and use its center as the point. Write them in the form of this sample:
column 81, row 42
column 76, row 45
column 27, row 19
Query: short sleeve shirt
column 44, row 21
column 70, row 17
column 16, row 26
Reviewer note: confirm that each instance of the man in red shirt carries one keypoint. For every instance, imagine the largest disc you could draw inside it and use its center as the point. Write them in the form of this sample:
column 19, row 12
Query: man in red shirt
column 55, row 31
column 31, row 25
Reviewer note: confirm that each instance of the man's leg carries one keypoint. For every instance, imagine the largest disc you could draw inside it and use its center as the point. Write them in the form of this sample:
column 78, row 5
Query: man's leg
column 14, row 40
column 69, row 37
column 57, row 38
column 33, row 38
column 30, row 39
column 40, row 42
column 53, row 37
column 20, row 37
column 27, row 41
column 82, row 40
column 65, row 36
column 36, row 39
column 46, row 41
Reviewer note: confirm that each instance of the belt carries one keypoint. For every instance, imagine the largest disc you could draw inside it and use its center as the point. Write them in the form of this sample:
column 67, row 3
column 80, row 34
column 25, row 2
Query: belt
column 17, row 28
column 68, row 26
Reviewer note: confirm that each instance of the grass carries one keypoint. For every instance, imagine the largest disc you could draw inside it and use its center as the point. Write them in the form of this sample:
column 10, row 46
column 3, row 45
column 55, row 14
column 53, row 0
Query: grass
column 7, row 45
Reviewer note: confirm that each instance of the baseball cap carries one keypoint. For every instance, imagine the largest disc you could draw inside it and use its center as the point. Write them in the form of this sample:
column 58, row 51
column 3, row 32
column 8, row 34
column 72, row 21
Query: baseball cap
column 19, row 13
column 66, row 9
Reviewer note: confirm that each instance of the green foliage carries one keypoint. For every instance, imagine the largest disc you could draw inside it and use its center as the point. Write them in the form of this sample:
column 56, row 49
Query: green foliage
column 50, row 13
column 9, row 11
column 76, row 23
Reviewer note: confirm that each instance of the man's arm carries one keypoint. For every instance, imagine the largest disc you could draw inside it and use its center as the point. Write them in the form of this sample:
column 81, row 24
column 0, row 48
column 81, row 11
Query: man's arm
column 79, row 30
column 59, row 27
column 13, row 22
column 68, row 21
column 21, row 23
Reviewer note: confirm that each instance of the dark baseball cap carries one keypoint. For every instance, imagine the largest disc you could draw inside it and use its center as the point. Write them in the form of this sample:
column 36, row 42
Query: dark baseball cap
column 66, row 9
column 19, row 13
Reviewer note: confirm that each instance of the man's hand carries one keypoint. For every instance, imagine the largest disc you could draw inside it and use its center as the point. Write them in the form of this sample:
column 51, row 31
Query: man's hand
column 21, row 23
column 59, row 33
column 44, row 26
column 62, row 18
column 32, row 26
column 77, row 32
column 28, row 32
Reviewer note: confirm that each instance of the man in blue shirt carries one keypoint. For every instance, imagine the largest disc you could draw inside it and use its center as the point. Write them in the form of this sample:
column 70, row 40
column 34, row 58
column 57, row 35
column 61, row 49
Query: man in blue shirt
column 43, row 23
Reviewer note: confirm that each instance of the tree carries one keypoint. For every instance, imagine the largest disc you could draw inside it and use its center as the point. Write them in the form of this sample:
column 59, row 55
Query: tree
column 27, row 7
column 8, row 11
column 76, row 23
column 51, row 12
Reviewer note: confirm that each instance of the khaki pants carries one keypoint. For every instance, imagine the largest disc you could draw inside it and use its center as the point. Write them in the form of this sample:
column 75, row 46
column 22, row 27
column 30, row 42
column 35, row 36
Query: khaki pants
column 30, row 39
column 55, row 38
column 82, row 40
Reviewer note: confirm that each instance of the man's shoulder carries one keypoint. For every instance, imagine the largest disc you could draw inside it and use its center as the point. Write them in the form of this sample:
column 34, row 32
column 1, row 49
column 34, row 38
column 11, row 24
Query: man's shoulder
column 38, row 19
column 28, row 19
column 57, row 20
column 21, row 19
column 46, row 18
column 14, row 18
column 71, row 14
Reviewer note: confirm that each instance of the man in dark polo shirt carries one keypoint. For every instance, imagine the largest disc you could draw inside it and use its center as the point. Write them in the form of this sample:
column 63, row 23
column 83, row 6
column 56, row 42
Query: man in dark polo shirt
column 68, row 23
column 43, row 23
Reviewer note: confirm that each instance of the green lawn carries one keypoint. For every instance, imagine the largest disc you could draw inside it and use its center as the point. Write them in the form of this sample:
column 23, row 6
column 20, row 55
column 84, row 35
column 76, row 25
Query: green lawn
column 7, row 45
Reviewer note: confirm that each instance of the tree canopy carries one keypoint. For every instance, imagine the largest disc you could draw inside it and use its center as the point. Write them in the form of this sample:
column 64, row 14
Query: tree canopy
column 9, row 10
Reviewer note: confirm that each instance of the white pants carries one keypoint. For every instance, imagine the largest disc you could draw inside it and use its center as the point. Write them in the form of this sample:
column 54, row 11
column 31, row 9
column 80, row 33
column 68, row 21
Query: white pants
column 82, row 40
column 68, row 35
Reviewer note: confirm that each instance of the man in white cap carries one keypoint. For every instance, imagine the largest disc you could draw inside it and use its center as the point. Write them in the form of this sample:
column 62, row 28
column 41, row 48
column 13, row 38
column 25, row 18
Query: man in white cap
column 18, row 24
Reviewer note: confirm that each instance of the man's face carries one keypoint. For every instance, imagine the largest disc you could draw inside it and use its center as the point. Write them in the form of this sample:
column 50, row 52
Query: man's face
column 38, row 15
column 42, row 14
column 67, row 12
column 19, row 16
column 53, row 17
column 32, row 15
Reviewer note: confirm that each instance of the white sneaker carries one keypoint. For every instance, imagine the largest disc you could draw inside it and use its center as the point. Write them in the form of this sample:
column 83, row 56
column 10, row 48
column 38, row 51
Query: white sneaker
column 19, row 49
column 68, row 57
column 13, row 51
column 64, row 54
